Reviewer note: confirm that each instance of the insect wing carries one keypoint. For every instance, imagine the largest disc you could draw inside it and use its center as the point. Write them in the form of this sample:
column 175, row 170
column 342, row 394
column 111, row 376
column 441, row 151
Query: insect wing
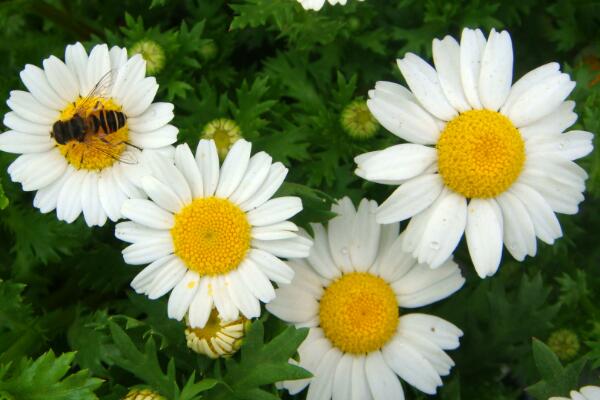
column 100, row 89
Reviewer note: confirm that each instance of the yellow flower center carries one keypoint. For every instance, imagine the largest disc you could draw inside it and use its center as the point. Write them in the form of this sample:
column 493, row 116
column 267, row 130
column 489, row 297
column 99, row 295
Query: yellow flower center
column 99, row 149
column 211, row 235
column 217, row 338
column 224, row 132
column 480, row 154
column 359, row 313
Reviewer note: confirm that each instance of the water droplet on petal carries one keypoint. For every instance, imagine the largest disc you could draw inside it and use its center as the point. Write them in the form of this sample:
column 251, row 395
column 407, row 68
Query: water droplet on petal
column 435, row 245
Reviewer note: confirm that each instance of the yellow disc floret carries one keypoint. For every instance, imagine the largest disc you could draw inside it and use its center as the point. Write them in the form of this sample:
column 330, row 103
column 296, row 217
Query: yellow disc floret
column 480, row 154
column 359, row 313
column 211, row 235
column 218, row 338
column 96, row 151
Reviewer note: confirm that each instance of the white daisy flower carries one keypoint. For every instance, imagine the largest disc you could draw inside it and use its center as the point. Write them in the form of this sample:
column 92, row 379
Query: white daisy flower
column 318, row 4
column 80, row 129
column 213, row 235
column 585, row 393
column 352, row 294
column 485, row 157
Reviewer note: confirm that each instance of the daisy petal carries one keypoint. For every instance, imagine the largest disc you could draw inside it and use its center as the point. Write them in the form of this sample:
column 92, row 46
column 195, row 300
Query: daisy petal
column 161, row 194
column 76, row 59
column 321, row 386
column 147, row 213
column 182, row 295
column 435, row 329
column 411, row 366
column 552, row 124
column 201, row 306
column 17, row 123
column 275, row 269
column 17, row 142
column 275, row 210
column 571, row 145
column 472, row 45
column 28, row 108
column 242, row 297
column 320, row 255
column 383, row 382
column 62, row 80
column 527, row 81
column 519, row 234
column 286, row 305
column 207, row 159
column 423, row 82
column 446, row 56
column 68, row 205
column 256, row 173
column 342, row 379
column 496, row 72
column 233, row 168
column 545, row 223
column 256, row 281
column 273, row 181
column 365, row 236
column 410, row 198
column 149, row 250
column 36, row 82
column 358, row 380
column 398, row 162
column 484, row 235
column 185, row 162
column 156, row 116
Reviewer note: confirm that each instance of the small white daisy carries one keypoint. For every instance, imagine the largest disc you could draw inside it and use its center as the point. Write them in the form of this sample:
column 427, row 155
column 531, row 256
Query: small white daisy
column 96, row 174
column 585, row 393
column 318, row 4
column 352, row 294
column 487, row 158
column 212, row 234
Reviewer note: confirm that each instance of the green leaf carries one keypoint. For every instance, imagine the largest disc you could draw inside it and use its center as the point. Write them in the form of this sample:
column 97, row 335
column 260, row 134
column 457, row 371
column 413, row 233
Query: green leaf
column 556, row 379
column 244, row 378
column 46, row 379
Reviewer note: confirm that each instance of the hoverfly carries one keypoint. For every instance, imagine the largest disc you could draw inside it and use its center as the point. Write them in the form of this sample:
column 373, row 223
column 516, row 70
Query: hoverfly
column 98, row 123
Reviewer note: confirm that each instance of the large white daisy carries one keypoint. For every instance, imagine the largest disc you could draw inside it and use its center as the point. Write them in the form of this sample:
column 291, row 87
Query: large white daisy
column 212, row 234
column 352, row 294
column 485, row 157
column 95, row 175
column 585, row 393
column 318, row 4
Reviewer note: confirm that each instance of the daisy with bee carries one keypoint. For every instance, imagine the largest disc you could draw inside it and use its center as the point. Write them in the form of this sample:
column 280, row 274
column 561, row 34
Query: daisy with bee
column 81, row 128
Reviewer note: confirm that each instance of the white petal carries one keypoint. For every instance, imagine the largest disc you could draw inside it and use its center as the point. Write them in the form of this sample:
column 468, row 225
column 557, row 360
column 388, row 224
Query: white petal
column 111, row 196
column 275, row 269
column 146, row 213
column 444, row 229
column 208, row 162
column 446, row 56
column 438, row 359
column 273, row 181
column 182, row 295
column 545, row 223
column 360, row 386
column 201, row 305
column 340, row 233
column 570, row 146
column 275, row 210
column 165, row 171
column 383, row 382
column 495, row 76
column 425, row 85
column 435, row 329
column 256, row 281
column 365, row 236
column 76, row 59
column 17, row 142
column 90, row 200
column 320, row 255
column 540, row 100
column 342, row 379
column 296, row 247
column 166, row 279
column 321, row 386
column 131, row 232
column 28, row 108
column 591, row 392
column 161, row 194
column 423, row 285
column 128, row 78
column 519, row 234
column 17, row 123
column 553, row 123
column 233, row 168
column 411, row 366
column 98, row 65
column 527, row 81
column 394, row 262
column 256, row 173
column 47, row 197
column 241, row 296
column 68, row 205
column 410, row 198
column 306, row 279
column 125, row 175
column 118, row 57
column 227, row 310
column 562, row 198
column 156, row 116
column 400, row 113
column 472, row 45
column 61, row 78
column 484, row 234
column 156, row 139
column 143, row 281
column 398, row 162
column 140, row 98
column 280, row 230
column 37, row 170
column 35, row 80
column 149, row 250
column 293, row 305
column 185, row 162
